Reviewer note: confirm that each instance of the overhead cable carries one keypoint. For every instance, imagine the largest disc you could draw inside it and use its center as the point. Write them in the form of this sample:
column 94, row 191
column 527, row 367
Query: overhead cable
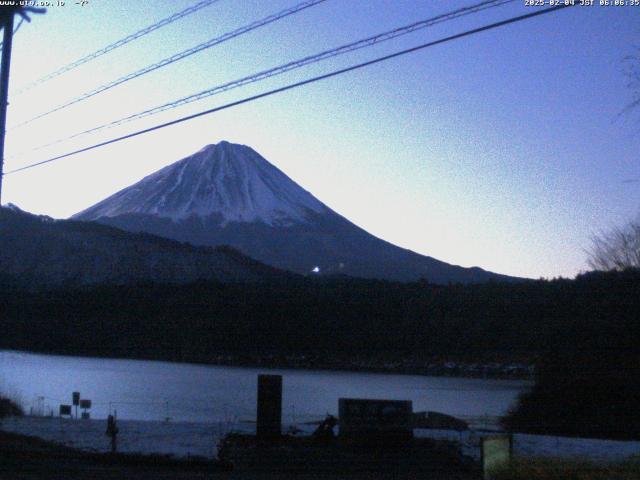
column 367, row 42
column 178, row 56
column 98, row 53
column 291, row 86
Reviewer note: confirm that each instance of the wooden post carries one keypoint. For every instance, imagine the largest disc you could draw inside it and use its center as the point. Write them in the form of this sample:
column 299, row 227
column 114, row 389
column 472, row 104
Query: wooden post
column 112, row 431
column 269, row 425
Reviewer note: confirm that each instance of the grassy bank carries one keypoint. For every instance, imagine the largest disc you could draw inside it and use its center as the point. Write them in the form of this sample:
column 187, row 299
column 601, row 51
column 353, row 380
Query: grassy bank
column 551, row 469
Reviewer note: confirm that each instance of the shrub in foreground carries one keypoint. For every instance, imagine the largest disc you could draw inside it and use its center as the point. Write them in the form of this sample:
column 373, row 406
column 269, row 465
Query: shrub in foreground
column 9, row 407
column 588, row 394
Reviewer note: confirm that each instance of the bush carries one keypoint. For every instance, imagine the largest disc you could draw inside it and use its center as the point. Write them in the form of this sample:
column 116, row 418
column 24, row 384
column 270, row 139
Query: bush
column 10, row 408
column 587, row 394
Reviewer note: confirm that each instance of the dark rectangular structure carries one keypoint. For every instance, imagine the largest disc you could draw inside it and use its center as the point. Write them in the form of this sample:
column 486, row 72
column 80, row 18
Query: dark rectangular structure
column 375, row 420
column 76, row 398
column 65, row 410
column 269, row 406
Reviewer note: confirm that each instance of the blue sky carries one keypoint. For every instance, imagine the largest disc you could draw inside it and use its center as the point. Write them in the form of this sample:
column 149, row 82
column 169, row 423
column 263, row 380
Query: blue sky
column 504, row 150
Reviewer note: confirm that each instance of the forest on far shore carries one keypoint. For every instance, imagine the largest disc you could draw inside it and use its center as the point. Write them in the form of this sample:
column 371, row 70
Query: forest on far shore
column 339, row 316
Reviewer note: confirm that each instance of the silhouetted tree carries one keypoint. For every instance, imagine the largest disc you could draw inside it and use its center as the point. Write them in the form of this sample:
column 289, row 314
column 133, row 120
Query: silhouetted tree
column 617, row 249
column 590, row 393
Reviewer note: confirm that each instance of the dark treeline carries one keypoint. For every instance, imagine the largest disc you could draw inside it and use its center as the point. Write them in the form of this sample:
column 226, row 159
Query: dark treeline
column 595, row 312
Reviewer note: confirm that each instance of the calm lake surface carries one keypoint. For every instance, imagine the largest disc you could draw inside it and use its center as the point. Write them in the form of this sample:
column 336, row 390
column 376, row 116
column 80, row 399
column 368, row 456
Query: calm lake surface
column 151, row 390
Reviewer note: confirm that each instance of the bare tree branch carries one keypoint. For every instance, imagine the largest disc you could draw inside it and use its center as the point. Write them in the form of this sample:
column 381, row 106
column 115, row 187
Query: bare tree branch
column 632, row 72
column 616, row 249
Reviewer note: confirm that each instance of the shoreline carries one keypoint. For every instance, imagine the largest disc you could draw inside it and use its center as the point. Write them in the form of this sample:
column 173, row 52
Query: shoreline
column 186, row 440
column 435, row 367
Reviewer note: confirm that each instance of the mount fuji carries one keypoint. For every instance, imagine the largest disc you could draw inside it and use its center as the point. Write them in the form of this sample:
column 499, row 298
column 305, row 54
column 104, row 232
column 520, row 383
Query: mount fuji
column 227, row 194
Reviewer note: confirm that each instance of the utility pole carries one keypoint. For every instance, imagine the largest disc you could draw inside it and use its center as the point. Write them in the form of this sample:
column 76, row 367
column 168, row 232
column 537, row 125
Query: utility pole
column 7, row 25
column 6, row 17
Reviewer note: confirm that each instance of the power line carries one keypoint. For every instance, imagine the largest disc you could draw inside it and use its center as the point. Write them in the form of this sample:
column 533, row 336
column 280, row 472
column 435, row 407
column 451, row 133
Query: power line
column 179, row 56
column 298, row 84
column 370, row 41
column 367, row 42
column 98, row 53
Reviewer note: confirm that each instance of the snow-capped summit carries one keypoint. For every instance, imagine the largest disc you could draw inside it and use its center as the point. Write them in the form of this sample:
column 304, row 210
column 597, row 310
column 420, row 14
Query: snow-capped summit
column 230, row 181
column 227, row 194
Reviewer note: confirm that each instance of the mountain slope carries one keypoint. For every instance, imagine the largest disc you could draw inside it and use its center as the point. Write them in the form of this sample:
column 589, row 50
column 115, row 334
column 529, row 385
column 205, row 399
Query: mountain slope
column 38, row 251
column 228, row 194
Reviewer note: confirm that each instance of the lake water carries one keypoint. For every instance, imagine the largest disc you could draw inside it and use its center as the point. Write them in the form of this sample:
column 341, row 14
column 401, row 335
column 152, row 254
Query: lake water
column 151, row 390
